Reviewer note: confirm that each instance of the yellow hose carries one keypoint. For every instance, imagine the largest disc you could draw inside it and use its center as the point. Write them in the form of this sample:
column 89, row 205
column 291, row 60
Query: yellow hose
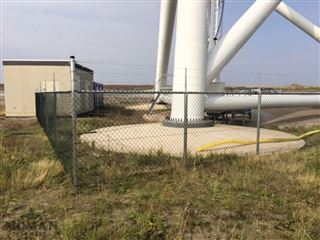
column 249, row 142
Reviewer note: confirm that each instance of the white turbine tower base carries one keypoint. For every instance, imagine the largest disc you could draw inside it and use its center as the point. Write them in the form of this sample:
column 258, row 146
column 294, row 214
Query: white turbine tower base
column 190, row 63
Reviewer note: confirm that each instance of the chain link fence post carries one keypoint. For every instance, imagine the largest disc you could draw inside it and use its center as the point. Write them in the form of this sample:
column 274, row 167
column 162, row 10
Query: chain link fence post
column 258, row 122
column 73, row 122
column 55, row 118
column 46, row 103
column 185, row 124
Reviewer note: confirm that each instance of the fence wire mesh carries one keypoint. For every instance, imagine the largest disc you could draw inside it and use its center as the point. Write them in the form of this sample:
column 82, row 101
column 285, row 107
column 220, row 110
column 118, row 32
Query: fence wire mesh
column 118, row 139
column 121, row 134
column 53, row 110
column 287, row 121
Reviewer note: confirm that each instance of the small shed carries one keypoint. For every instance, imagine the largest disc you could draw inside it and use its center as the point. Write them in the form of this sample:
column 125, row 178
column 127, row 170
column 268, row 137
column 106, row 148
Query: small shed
column 23, row 78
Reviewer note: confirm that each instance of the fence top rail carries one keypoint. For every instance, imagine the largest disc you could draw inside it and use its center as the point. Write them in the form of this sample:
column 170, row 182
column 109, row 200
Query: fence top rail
column 179, row 92
column 166, row 92
column 53, row 92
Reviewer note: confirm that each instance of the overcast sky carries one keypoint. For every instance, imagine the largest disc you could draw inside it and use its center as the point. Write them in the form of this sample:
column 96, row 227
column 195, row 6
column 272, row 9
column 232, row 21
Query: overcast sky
column 103, row 34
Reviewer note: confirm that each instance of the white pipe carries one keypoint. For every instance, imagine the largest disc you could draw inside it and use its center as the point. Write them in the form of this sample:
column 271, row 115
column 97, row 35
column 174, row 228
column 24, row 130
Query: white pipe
column 238, row 35
column 191, row 55
column 240, row 102
column 298, row 20
column 167, row 16
column 225, row 102
column 72, row 74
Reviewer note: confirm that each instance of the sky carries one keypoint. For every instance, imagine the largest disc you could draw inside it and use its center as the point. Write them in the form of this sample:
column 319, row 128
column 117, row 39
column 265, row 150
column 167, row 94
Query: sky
column 118, row 40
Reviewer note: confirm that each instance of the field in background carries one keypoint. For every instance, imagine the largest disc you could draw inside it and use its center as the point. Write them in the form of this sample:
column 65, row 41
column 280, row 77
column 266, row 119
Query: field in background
column 220, row 197
column 289, row 88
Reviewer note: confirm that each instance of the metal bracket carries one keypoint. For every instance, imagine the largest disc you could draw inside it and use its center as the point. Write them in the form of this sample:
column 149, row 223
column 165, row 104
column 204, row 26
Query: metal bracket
column 153, row 104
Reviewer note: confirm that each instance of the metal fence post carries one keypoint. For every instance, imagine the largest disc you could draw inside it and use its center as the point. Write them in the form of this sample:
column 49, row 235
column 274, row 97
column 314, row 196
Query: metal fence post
column 55, row 119
column 258, row 123
column 185, row 125
column 73, row 121
column 46, row 104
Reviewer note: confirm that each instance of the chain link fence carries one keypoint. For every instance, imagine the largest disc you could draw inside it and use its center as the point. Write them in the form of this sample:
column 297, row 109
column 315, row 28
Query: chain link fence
column 119, row 140
column 2, row 102
column 1, row 97
column 111, row 136
column 53, row 111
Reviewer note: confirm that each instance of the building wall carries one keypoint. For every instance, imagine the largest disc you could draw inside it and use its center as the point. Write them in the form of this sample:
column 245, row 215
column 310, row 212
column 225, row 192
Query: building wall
column 22, row 81
column 85, row 102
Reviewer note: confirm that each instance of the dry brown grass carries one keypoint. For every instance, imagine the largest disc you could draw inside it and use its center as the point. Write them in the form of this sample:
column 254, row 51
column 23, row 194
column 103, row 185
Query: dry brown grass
column 134, row 197
column 36, row 174
column 309, row 180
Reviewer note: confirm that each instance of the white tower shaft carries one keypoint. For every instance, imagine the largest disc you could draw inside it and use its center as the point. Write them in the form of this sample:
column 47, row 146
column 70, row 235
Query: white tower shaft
column 190, row 54
column 167, row 17
column 194, row 70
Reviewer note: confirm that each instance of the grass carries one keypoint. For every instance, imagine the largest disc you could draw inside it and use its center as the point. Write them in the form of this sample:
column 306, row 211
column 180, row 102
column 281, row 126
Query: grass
column 109, row 116
column 132, row 196
column 297, row 131
column 298, row 88
column 36, row 174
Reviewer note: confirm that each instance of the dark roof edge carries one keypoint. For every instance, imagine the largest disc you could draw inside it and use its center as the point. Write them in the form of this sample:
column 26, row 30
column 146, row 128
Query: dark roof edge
column 80, row 67
column 44, row 63
column 32, row 63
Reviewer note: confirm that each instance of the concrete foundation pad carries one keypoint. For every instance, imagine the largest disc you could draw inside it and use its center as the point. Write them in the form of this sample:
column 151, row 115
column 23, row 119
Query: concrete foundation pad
column 143, row 138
